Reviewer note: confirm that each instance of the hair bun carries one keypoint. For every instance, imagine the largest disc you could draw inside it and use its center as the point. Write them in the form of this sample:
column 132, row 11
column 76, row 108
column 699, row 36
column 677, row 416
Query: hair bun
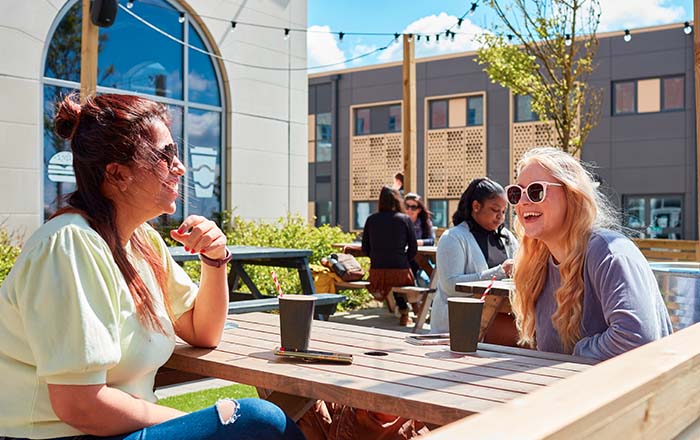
column 67, row 116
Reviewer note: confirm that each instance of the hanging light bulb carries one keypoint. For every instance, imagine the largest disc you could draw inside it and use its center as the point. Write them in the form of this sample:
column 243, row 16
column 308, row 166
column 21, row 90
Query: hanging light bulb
column 459, row 23
column 182, row 17
column 130, row 4
column 341, row 35
column 410, row 37
column 628, row 36
column 233, row 25
column 687, row 28
column 427, row 38
column 510, row 37
column 437, row 37
column 472, row 9
column 286, row 33
column 567, row 39
column 396, row 37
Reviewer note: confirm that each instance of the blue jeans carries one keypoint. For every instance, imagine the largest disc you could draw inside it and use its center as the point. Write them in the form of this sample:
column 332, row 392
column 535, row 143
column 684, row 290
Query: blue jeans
column 254, row 419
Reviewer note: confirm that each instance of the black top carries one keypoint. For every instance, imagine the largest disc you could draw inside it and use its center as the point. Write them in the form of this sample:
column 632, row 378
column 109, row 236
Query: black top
column 389, row 241
column 491, row 245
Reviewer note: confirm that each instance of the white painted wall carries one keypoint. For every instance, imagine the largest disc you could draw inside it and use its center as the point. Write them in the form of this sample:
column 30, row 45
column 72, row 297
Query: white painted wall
column 268, row 111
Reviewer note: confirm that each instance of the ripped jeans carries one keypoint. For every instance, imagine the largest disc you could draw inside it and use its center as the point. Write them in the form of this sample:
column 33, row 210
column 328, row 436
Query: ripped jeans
column 253, row 419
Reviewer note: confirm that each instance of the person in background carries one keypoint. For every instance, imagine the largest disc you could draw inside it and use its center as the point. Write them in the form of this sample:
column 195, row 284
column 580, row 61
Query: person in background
column 398, row 183
column 477, row 247
column 390, row 243
column 582, row 288
column 423, row 228
column 94, row 302
column 421, row 218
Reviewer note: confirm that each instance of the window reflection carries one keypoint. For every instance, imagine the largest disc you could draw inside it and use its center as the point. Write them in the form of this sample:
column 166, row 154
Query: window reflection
column 126, row 63
column 59, row 178
column 134, row 58
column 202, row 83
column 363, row 210
column 204, row 167
column 439, row 210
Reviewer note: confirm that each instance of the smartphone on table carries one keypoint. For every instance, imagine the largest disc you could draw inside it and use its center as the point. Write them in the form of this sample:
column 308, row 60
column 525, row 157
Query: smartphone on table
column 315, row 355
column 429, row 339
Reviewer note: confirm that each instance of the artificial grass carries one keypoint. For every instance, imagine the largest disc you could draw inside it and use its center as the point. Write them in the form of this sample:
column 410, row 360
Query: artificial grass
column 201, row 399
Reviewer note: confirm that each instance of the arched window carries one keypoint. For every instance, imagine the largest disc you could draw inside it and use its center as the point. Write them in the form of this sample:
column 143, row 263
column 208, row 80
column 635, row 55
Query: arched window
column 135, row 59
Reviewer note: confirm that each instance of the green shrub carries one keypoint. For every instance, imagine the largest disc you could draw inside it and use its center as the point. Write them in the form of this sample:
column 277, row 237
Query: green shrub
column 8, row 252
column 292, row 232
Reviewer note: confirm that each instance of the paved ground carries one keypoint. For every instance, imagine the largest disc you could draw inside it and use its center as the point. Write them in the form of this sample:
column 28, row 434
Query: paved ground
column 378, row 317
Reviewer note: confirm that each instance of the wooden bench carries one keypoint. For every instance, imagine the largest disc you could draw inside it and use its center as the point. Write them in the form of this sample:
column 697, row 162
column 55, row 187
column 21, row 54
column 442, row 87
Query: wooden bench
column 326, row 304
column 414, row 294
column 349, row 285
column 668, row 250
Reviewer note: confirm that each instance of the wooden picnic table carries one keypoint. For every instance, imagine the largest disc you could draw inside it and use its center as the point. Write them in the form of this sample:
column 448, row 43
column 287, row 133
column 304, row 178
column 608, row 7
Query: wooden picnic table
column 260, row 256
column 428, row 383
column 496, row 301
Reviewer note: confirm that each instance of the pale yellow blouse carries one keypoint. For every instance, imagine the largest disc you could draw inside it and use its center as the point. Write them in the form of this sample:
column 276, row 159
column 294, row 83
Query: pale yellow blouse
column 67, row 317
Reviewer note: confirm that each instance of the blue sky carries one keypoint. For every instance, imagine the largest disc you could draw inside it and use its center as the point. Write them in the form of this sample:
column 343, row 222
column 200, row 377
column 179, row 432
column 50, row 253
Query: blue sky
column 432, row 16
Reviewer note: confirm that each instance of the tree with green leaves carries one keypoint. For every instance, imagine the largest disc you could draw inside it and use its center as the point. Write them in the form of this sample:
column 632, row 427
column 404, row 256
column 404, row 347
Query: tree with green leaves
column 546, row 49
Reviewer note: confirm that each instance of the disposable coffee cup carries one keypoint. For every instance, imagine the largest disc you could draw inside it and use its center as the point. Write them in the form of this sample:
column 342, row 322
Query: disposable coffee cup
column 465, row 323
column 296, row 315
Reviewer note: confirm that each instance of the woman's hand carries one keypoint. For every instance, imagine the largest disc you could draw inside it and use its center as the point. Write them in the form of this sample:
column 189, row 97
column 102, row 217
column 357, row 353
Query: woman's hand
column 201, row 235
column 507, row 267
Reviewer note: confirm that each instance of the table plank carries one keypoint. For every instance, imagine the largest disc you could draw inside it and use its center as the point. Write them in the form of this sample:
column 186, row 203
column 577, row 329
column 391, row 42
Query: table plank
column 427, row 383
column 393, row 340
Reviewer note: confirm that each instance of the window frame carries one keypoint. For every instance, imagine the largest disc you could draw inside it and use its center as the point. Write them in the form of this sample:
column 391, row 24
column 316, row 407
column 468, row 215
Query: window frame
column 662, row 87
column 384, row 129
column 516, row 120
column 185, row 103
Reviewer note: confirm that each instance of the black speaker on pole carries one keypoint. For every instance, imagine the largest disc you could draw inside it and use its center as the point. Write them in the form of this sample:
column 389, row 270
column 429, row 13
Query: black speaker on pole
column 103, row 12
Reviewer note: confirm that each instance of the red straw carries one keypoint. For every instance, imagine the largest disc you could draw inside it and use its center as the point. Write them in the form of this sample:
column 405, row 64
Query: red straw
column 488, row 289
column 277, row 283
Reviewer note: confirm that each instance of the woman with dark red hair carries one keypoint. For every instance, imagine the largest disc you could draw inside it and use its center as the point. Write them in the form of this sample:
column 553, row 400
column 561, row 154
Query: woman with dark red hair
column 92, row 306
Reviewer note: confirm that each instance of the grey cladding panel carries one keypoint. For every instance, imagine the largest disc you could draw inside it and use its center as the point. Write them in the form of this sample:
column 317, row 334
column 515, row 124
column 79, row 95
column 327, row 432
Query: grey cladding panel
column 644, row 65
column 649, row 153
column 647, row 126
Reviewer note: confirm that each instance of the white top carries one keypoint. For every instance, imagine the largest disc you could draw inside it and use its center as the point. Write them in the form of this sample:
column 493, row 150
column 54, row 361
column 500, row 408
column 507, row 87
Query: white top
column 68, row 318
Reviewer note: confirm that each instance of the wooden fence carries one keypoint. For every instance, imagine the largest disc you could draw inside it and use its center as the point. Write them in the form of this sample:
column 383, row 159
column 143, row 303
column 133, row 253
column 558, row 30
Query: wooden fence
column 669, row 250
column 647, row 393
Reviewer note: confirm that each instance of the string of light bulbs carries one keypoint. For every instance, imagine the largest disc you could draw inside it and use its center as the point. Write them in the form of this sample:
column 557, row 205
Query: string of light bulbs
column 448, row 33
column 237, row 63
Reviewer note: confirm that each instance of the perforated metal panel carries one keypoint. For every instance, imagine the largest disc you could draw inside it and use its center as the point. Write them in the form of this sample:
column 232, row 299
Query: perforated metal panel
column 528, row 135
column 374, row 160
column 453, row 157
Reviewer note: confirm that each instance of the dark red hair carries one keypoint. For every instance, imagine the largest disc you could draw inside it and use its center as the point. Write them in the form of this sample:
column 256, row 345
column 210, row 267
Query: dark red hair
column 108, row 129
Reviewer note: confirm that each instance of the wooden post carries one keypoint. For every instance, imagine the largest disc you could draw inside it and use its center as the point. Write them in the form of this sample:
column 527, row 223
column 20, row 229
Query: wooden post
column 696, row 52
column 88, row 55
column 408, row 119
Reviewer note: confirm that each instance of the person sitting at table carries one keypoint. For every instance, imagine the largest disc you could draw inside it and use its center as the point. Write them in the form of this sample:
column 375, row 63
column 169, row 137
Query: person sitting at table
column 93, row 304
column 582, row 288
column 390, row 243
column 421, row 218
column 477, row 247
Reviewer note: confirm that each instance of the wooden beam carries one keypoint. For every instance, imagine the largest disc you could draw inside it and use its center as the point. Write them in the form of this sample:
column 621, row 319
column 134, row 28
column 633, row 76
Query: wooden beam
column 650, row 392
column 88, row 55
column 696, row 51
column 408, row 119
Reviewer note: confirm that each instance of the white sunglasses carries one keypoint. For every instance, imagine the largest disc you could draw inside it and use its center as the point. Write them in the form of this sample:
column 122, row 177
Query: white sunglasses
column 536, row 192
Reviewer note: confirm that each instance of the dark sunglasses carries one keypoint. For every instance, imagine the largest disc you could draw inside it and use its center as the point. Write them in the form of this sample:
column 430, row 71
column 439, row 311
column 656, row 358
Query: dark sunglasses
column 168, row 153
column 536, row 192
column 412, row 207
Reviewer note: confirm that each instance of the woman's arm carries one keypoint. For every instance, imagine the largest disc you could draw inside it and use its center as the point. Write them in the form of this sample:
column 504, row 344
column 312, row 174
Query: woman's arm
column 452, row 258
column 103, row 411
column 365, row 238
column 428, row 236
column 203, row 325
column 631, row 304
column 412, row 249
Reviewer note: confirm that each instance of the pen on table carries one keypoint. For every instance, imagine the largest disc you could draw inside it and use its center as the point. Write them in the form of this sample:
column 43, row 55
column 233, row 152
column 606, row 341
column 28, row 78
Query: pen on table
column 488, row 289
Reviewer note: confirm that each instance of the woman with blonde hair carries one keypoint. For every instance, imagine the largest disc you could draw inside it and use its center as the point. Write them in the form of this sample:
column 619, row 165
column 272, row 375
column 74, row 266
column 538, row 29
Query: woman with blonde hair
column 582, row 288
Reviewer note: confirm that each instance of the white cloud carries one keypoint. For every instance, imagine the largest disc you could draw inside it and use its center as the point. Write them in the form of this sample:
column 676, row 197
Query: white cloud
column 432, row 25
column 322, row 48
column 624, row 14
column 361, row 49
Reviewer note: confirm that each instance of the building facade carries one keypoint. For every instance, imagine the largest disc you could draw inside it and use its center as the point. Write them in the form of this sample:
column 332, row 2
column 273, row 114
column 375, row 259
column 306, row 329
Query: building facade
column 233, row 80
column 643, row 147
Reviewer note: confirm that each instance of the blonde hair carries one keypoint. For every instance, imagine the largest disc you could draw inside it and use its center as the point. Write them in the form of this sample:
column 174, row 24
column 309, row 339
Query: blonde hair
column 587, row 209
